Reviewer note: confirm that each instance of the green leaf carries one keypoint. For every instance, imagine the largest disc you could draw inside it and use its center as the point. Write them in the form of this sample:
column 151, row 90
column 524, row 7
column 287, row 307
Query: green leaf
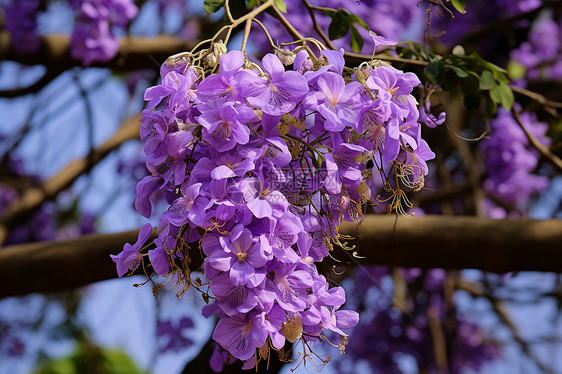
column 356, row 40
column 251, row 3
column 460, row 72
column 459, row 5
column 506, row 96
column 212, row 6
column 338, row 27
column 435, row 71
column 359, row 21
column 487, row 80
column 495, row 94
column 502, row 93
column 281, row 5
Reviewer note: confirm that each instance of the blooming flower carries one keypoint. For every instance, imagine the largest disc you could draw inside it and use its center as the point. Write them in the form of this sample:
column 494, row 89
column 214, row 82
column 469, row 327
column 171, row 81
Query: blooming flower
column 130, row 258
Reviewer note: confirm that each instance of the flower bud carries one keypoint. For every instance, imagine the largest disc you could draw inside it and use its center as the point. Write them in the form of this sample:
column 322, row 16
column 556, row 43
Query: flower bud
column 285, row 56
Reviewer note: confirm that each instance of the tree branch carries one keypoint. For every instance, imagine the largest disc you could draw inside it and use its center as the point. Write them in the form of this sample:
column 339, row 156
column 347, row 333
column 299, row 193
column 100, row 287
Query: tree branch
column 33, row 198
column 135, row 53
column 49, row 76
column 543, row 150
column 424, row 242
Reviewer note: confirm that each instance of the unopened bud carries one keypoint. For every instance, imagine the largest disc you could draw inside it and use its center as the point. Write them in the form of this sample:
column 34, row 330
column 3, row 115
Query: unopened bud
column 217, row 50
column 285, row 56
column 292, row 329
column 179, row 59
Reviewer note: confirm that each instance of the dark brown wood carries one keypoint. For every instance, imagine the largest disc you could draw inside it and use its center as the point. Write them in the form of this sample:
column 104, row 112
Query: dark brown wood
column 460, row 243
column 425, row 242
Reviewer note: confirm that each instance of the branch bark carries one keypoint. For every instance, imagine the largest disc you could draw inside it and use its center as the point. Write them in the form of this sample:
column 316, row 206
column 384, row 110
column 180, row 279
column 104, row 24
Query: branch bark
column 33, row 198
column 424, row 242
column 135, row 53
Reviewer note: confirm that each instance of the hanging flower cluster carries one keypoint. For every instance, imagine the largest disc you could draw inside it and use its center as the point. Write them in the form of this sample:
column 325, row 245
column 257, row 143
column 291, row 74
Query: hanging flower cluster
column 93, row 38
column 259, row 165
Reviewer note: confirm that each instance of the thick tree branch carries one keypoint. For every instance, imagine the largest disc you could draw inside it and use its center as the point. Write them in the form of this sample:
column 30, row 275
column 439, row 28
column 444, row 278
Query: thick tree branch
column 135, row 53
column 33, row 198
column 424, row 242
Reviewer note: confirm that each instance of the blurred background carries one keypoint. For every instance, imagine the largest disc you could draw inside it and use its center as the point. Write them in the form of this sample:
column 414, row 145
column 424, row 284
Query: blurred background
column 72, row 78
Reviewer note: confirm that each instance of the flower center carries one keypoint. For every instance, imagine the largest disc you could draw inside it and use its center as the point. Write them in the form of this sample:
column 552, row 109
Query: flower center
column 242, row 256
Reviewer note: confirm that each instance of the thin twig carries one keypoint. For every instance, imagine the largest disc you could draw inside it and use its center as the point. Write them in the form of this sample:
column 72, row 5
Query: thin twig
column 317, row 27
column 537, row 97
column 545, row 151
column 247, row 29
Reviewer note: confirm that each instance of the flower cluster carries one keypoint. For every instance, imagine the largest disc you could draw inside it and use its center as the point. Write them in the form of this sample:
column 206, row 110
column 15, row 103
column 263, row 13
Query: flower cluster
column 510, row 161
column 540, row 54
column 406, row 324
column 260, row 165
column 92, row 39
column 20, row 18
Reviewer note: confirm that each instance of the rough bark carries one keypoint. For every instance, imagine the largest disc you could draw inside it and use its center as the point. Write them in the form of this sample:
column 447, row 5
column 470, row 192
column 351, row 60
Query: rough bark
column 424, row 242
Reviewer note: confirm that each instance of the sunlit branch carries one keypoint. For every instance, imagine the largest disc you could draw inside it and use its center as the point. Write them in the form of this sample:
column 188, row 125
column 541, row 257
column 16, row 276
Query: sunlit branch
column 424, row 242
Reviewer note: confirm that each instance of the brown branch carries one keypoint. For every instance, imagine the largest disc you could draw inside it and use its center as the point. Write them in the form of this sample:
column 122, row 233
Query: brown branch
column 60, row 266
column 34, row 197
column 49, row 76
column 424, row 242
column 135, row 53
column 357, row 58
column 545, row 151
column 317, row 27
column 541, row 99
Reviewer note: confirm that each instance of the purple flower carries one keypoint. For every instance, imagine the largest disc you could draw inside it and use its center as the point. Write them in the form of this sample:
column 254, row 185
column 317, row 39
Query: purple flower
column 227, row 86
column 130, row 258
column 164, row 252
column 92, row 39
column 241, row 334
column 281, row 91
column 342, row 165
column 340, row 101
column 241, row 257
column 336, row 320
column 235, row 299
column 20, row 18
column 176, row 341
column 188, row 208
column 381, row 41
column 226, row 127
column 289, row 287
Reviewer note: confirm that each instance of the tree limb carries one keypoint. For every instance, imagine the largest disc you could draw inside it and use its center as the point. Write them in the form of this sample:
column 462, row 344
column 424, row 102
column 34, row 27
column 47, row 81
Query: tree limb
column 34, row 197
column 135, row 53
column 424, row 242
